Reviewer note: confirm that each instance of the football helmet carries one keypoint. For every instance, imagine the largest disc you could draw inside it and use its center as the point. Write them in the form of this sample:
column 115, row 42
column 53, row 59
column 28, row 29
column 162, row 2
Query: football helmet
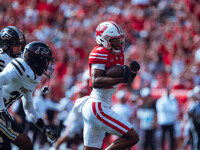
column 11, row 36
column 39, row 56
column 111, row 36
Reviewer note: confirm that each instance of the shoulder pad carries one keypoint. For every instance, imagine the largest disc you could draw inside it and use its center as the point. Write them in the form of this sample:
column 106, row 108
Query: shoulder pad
column 18, row 65
column 98, row 55
column 3, row 59
column 1, row 51
column 2, row 64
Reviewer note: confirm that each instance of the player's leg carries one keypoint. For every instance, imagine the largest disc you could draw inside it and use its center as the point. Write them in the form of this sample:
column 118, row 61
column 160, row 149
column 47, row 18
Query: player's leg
column 93, row 134
column 63, row 138
column 93, row 137
column 112, row 123
column 125, row 141
column 12, row 132
column 4, row 144
column 23, row 142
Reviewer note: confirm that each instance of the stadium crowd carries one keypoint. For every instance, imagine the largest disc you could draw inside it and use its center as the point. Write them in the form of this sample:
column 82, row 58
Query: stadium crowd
column 162, row 35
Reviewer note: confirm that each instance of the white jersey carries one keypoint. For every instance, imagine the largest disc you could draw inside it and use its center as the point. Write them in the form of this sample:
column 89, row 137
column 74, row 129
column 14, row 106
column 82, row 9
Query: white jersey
column 5, row 59
column 22, row 81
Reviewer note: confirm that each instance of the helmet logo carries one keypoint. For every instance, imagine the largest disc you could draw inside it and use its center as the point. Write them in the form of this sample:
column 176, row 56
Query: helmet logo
column 6, row 36
column 100, row 30
column 42, row 50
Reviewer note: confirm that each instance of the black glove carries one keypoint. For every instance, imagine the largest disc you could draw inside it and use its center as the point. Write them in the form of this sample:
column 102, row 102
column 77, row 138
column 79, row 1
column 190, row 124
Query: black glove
column 4, row 115
column 126, row 73
column 51, row 134
column 135, row 67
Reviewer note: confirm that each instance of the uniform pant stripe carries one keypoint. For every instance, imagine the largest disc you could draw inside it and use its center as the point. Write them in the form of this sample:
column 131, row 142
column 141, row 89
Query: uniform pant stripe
column 103, row 120
column 112, row 119
column 7, row 133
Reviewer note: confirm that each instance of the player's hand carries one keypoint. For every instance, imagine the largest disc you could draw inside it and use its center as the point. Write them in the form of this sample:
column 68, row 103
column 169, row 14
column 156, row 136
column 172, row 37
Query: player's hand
column 4, row 115
column 51, row 134
column 126, row 73
column 135, row 66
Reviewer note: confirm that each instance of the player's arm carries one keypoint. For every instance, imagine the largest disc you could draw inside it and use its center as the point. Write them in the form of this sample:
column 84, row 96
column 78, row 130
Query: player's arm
column 29, row 109
column 99, row 80
column 36, row 119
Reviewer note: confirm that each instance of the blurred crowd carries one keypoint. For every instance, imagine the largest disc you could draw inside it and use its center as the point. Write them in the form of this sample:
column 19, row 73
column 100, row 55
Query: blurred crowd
column 162, row 35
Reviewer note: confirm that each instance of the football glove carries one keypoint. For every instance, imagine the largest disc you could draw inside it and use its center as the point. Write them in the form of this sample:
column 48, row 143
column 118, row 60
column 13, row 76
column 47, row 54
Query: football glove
column 126, row 73
column 135, row 67
column 51, row 134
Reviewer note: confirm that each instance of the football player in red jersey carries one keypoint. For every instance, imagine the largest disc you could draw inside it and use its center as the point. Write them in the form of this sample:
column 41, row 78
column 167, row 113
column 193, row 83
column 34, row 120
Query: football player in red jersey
column 97, row 115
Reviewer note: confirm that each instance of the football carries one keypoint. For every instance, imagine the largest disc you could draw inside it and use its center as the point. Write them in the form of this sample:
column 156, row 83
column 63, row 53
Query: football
column 114, row 71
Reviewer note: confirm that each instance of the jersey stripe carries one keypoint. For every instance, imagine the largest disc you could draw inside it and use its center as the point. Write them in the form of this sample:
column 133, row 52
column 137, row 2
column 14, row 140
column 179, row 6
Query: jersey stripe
column 98, row 57
column 20, row 64
column 98, row 54
column 17, row 68
column 114, row 121
column 2, row 64
column 2, row 61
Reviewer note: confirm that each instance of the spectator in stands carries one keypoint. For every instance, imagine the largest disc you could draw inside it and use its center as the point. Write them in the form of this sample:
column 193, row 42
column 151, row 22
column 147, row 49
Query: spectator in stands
column 167, row 114
column 122, row 107
column 194, row 115
column 163, row 35
column 65, row 106
column 148, row 119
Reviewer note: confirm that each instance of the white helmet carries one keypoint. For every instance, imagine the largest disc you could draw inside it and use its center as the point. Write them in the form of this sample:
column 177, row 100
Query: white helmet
column 106, row 32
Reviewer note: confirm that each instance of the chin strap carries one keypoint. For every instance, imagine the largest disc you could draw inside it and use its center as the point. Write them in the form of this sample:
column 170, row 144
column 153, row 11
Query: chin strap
column 45, row 89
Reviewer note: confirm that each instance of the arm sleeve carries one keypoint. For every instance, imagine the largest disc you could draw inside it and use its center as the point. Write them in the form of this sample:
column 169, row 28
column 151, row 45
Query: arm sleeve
column 29, row 108
column 98, row 66
column 98, row 57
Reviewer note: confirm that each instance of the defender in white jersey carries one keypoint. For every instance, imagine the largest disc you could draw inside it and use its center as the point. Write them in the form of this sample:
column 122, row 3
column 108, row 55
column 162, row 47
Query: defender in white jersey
column 18, row 79
column 97, row 115
column 12, row 42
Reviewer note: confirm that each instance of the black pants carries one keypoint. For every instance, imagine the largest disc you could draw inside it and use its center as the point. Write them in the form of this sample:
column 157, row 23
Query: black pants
column 195, row 132
column 170, row 129
column 149, row 140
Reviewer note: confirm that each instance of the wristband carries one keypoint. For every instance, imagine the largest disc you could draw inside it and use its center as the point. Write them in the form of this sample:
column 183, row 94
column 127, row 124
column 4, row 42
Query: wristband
column 40, row 124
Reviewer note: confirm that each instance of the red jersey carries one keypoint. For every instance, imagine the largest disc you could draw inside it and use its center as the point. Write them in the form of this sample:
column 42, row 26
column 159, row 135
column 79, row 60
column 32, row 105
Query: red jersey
column 100, row 55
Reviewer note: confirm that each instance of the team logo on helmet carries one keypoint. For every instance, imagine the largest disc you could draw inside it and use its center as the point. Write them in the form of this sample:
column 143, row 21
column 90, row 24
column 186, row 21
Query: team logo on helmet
column 100, row 30
column 42, row 50
column 6, row 36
